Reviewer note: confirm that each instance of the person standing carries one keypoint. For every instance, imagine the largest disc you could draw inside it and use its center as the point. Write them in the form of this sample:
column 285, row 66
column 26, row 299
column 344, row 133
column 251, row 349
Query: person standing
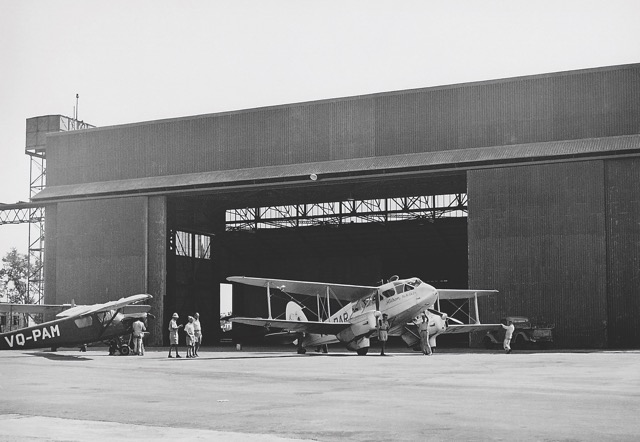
column 138, row 333
column 173, row 334
column 191, row 337
column 383, row 333
column 423, row 329
column 508, row 333
column 197, row 328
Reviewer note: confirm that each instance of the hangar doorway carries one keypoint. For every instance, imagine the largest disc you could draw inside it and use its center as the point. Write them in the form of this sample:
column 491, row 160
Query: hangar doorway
column 346, row 234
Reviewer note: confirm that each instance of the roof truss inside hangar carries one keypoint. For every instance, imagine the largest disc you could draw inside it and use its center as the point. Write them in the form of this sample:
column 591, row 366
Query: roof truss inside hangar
column 433, row 248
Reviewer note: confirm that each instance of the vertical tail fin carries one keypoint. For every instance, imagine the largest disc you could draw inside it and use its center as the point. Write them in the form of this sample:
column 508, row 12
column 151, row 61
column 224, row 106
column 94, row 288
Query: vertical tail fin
column 294, row 312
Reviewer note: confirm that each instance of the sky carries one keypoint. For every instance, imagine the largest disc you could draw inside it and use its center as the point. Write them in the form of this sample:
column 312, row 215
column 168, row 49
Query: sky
column 133, row 61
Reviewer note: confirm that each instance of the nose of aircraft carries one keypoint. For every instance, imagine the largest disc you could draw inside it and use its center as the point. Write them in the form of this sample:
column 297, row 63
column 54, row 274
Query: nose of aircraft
column 427, row 295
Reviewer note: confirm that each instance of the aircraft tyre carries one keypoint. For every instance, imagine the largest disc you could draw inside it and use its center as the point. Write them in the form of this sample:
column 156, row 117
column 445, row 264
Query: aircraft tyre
column 325, row 348
column 362, row 351
column 124, row 350
column 302, row 350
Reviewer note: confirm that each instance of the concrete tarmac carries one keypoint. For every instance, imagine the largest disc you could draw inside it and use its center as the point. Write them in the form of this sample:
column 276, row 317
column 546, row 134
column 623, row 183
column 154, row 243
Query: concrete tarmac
column 263, row 395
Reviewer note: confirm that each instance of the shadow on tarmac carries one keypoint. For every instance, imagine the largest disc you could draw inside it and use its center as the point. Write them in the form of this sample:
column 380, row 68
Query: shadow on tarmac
column 59, row 357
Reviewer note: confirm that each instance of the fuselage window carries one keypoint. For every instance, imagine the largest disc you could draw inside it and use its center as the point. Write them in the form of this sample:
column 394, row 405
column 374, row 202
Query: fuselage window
column 86, row 321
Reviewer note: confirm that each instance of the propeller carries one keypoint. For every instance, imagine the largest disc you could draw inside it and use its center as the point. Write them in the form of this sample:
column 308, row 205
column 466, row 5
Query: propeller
column 445, row 317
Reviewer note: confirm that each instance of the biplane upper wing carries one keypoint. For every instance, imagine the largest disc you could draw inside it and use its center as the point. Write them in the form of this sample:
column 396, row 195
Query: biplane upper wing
column 463, row 294
column 323, row 328
column 97, row 308
column 344, row 292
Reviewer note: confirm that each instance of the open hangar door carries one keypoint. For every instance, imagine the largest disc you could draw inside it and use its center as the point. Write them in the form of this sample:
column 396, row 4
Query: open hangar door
column 351, row 233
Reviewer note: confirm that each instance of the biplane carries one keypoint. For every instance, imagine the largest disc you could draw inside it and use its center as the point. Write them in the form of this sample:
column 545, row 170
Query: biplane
column 75, row 325
column 357, row 321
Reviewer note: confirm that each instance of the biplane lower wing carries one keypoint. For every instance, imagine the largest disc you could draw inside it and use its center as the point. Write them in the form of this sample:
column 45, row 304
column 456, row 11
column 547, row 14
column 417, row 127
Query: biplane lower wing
column 469, row 328
column 321, row 328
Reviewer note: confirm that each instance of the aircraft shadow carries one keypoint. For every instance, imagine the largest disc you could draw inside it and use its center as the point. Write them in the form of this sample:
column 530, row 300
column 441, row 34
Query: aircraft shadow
column 265, row 356
column 59, row 357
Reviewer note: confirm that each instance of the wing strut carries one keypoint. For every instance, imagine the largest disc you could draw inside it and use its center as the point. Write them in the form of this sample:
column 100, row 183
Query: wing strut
column 475, row 303
column 269, row 298
column 328, row 302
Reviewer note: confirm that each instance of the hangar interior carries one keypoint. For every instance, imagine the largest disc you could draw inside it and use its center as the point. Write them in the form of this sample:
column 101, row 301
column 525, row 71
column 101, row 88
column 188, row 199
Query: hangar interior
column 546, row 166
column 371, row 231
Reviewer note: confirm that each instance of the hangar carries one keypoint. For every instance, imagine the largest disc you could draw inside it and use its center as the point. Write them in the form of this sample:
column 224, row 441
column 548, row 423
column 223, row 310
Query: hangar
column 528, row 185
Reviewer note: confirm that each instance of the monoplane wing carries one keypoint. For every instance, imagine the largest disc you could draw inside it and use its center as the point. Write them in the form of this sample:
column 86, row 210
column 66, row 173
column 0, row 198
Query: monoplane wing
column 322, row 328
column 80, row 310
column 33, row 309
column 463, row 294
column 344, row 292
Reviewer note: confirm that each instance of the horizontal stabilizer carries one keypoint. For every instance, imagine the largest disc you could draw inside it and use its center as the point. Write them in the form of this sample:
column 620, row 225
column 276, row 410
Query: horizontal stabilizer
column 281, row 337
column 323, row 328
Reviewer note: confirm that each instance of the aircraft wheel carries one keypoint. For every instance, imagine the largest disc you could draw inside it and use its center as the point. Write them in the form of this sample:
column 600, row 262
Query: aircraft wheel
column 124, row 350
column 302, row 351
column 325, row 348
column 363, row 351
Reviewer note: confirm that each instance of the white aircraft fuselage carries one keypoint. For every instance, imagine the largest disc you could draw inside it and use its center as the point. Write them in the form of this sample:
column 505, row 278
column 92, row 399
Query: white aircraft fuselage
column 402, row 300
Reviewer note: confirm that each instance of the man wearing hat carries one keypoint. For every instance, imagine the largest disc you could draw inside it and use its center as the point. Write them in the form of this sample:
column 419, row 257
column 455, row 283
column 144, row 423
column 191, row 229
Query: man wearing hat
column 173, row 334
column 423, row 329
column 197, row 328
column 383, row 332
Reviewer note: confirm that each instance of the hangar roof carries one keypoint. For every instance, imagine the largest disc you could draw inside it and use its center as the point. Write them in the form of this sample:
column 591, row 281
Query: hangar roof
column 350, row 170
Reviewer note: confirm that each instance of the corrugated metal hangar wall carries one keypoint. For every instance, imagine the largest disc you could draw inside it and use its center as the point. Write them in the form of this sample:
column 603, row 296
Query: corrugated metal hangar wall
column 552, row 217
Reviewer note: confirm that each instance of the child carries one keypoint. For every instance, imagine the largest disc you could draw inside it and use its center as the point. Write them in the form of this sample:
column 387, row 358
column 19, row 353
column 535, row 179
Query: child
column 191, row 338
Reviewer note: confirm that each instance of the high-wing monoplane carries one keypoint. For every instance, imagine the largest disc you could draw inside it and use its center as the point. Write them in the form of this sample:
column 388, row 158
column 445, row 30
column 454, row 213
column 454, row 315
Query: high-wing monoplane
column 356, row 322
column 75, row 325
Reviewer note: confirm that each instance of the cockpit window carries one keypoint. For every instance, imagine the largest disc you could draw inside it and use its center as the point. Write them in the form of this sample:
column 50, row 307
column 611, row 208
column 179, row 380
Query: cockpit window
column 85, row 321
column 388, row 293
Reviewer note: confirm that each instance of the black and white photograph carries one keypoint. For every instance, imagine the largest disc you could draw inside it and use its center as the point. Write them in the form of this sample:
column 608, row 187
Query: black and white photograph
column 305, row 220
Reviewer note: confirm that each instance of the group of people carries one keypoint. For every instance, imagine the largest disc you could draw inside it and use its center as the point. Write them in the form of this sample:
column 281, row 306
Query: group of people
column 193, row 329
column 423, row 330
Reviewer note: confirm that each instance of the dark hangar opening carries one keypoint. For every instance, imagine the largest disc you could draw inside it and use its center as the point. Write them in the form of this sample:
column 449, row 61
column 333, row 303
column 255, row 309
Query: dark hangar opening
column 206, row 246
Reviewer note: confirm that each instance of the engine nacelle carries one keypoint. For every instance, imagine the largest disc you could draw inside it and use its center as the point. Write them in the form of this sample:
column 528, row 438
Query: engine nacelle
column 361, row 326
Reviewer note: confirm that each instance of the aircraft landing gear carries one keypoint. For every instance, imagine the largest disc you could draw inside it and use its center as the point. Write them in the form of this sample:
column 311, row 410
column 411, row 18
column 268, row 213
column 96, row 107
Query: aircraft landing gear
column 301, row 350
column 362, row 351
